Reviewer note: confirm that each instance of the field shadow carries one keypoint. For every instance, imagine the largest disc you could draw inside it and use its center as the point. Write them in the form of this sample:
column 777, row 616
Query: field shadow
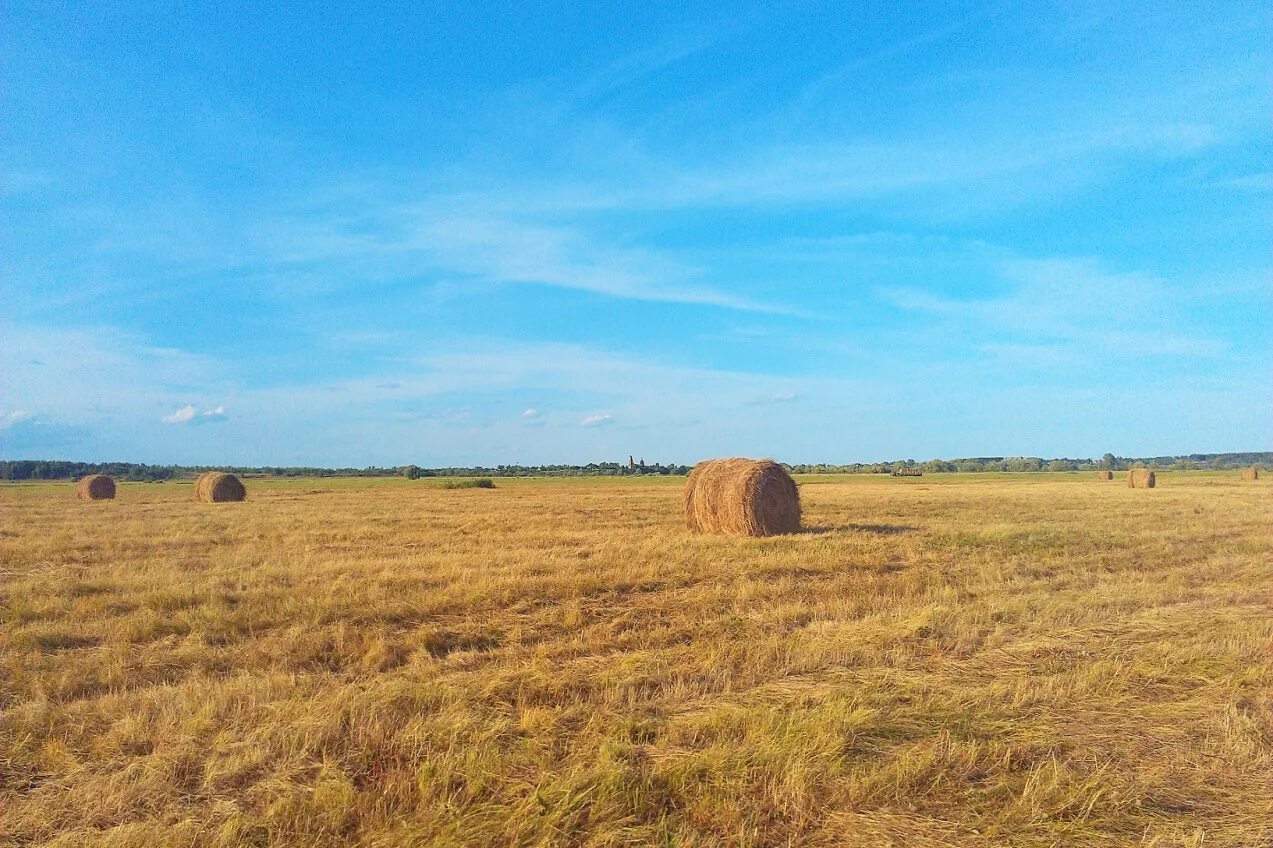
column 873, row 529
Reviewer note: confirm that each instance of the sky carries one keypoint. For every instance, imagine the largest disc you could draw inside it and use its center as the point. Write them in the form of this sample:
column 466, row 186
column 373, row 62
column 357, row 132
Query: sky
column 484, row 233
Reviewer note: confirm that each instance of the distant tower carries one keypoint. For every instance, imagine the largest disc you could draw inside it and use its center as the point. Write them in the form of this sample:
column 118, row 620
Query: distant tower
column 631, row 464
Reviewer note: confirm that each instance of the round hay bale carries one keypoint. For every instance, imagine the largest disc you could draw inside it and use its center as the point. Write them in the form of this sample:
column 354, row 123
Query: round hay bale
column 1104, row 475
column 1251, row 473
column 1140, row 478
column 216, row 486
column 95, row 487
column 198, row 484
column 746, row 497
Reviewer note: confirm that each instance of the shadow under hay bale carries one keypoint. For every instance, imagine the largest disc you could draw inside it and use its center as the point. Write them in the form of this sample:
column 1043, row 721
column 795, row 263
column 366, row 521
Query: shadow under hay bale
column 1104, row 475
column 1141, row 478
column 745, row 497
column 1251, row 473
column 95, row 487
column 217, row 487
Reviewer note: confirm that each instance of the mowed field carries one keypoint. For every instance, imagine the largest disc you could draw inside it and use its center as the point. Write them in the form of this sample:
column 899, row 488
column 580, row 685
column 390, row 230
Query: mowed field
column 980, row 660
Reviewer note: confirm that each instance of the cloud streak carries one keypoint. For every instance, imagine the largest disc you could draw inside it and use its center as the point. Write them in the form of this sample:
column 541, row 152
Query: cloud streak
column 188, row 414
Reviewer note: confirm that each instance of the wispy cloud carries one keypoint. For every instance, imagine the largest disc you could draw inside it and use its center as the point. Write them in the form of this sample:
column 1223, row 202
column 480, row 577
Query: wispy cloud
column 640, row 64
column 188, row 414
column 1061, row 308
column 778, row 397
column 596, row 421
column 504, row 251
column 184, row 415
column 1257, row 182
column 17, row 416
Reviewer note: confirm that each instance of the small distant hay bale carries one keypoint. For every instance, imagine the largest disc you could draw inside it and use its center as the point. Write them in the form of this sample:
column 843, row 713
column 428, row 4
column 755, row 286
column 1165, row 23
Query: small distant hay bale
column 1104, row 475
column 908, row 471
column 746, row 497
column 216, row 487
column 1140, row 478
column 1251, row 473
column 95, row 487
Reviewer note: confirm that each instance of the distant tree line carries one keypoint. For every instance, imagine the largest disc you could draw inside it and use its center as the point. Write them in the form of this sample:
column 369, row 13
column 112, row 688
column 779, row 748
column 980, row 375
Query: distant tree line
column 592, row 469
column 52, row 469
column 47, row 469
column 1190, row 462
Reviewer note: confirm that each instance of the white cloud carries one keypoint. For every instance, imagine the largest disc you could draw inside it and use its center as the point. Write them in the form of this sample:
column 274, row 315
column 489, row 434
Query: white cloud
column 17, row 416
column 596, row 421
column 181, row 416
column 776, row 397
column 531, row 413
column 188, row 414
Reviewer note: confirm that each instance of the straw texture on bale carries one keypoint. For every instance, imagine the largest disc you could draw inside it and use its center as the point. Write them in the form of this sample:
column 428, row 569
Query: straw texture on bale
column 1251, row 473
column 1104, row 475
column 746, row 497
column 198, row 484
column 95, row 487
column 215, row 486
column 1140, row 478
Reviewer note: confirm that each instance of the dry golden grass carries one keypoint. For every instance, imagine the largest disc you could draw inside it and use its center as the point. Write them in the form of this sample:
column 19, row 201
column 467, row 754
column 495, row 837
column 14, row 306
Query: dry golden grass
column 984, row 661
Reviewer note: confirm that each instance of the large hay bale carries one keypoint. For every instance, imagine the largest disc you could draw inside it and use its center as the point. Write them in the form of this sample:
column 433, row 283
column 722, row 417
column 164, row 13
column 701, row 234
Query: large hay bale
column 748, row 497
column 95, row 487
column 1105, row 475
column 198, row 484
column 1140, row 478
column 215, row 487
column 1251, row 473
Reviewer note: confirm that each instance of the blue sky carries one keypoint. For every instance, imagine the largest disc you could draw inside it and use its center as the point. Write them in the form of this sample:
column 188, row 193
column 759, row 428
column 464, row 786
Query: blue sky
column 493, row 233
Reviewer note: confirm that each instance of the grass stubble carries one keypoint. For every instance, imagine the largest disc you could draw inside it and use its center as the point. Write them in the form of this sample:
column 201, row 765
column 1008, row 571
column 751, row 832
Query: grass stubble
column 972, row 660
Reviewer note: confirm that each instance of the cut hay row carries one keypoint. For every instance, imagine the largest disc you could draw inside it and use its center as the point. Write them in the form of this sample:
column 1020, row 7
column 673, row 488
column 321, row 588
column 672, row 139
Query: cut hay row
column 1140, row 478
column 217, row 486
column 95, row 487
column 745, row 497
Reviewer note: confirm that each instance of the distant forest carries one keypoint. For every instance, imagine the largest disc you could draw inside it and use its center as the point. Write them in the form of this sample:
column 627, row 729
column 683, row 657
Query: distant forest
column 45, row 469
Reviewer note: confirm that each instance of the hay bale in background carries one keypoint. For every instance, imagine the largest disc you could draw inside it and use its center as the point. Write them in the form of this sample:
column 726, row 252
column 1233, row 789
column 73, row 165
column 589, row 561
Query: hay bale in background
column 1140, row 478
column 215, row 487
column 95, row 487
column 1104, row 475
column 1251, row 473
column 747, row 497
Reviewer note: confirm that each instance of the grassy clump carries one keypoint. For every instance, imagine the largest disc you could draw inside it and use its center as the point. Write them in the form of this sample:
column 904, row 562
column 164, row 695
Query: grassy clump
column 479, row 483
